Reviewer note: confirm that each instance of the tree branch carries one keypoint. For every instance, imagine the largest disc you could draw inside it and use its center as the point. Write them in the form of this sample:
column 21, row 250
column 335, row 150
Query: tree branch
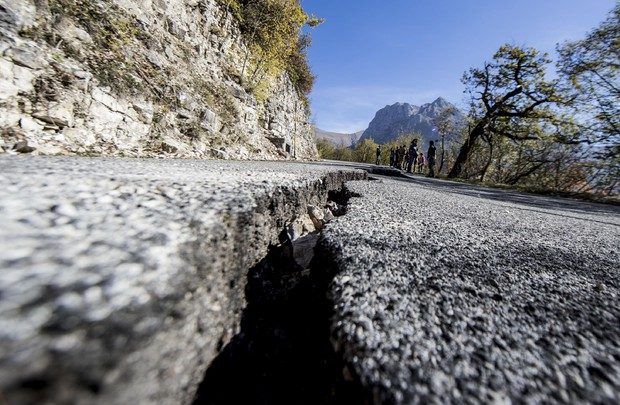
column 485, row 93
column 507, row 97
column 511, row 136
column 523, row 113
column 514, row 179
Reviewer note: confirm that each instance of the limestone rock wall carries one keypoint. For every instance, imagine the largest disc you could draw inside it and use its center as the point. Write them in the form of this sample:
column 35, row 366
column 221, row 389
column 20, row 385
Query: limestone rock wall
column 138, row 78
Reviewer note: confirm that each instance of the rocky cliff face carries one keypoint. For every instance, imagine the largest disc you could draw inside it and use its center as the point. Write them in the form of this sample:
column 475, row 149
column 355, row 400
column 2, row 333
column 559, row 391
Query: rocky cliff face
column 138, row 78
column 402, row 118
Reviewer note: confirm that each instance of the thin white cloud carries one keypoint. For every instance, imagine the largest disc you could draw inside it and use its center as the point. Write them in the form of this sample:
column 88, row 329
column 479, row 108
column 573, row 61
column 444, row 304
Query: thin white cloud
column 349, row 127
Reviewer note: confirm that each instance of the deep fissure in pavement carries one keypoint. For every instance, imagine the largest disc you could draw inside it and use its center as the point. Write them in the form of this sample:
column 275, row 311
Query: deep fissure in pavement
column 283, row 353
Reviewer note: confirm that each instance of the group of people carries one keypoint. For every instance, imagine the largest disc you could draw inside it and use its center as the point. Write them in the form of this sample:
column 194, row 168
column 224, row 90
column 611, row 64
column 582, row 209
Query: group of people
column 410, row 158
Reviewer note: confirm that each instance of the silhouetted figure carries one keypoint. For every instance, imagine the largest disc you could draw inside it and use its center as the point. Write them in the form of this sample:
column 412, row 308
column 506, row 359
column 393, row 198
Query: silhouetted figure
column 430, row 155
column 413, row 154
column 378, row 155
column 392, row 157
column 421, row 163
column 407, row 155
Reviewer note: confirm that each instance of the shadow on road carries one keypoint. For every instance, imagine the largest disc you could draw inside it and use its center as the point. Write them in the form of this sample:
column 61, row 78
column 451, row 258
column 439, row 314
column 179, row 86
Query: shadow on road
column 283, row 353
column 529, row 202
column 535, row 203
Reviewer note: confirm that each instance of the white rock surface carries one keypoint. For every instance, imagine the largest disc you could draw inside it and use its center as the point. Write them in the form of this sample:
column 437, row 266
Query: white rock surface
column 177, row 86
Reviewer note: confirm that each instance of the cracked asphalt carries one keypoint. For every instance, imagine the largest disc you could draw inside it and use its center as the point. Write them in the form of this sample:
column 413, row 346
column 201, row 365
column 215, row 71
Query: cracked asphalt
column 449, row 293
column 120, row 279
column 117, row 271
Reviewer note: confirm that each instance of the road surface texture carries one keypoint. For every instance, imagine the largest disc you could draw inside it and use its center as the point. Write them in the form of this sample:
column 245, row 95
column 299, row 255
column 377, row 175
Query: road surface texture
column 446, row 292
column 138, row 281
column 121, row 279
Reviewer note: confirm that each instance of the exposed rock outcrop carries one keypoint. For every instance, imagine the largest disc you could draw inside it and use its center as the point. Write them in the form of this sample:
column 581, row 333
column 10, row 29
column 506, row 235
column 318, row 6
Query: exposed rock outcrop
column 403, row 118
column 139, row 78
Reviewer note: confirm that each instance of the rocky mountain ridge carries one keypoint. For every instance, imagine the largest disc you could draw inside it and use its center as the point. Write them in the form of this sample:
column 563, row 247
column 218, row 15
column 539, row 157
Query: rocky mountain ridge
column 403, row 118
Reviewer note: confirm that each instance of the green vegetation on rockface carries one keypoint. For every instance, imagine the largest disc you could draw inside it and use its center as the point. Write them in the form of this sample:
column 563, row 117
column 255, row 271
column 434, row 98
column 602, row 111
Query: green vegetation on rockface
column 112, row 33
column 271, row 29
column 161, row 62
column 276, row 44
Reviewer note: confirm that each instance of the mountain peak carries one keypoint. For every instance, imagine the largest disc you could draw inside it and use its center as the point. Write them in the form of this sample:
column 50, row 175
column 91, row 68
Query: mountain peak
column 403, row 118
column 396, row 111
column 400, row 104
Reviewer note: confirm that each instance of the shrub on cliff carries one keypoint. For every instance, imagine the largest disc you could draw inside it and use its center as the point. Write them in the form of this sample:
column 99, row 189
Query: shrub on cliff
column 272, row 29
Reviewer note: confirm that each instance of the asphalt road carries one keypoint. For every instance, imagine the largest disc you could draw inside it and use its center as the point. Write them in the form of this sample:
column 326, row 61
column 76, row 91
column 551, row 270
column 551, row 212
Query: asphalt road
column 451, row 293
column 122, row 277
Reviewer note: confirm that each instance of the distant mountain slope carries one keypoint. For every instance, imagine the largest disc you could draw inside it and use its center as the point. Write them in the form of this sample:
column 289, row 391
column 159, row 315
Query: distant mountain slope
column 403, row 118
column 338, row 138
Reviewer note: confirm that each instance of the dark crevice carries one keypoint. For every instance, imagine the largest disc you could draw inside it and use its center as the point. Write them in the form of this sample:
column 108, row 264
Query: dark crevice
column 35, row 384
column 283, row 353
column 341, row 197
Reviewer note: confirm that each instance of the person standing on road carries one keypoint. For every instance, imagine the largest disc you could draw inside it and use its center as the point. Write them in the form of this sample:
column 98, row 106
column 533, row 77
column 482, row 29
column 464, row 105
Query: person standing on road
column 378, row 155
column 396, row 156
column 421, row 163
column 413, row 155
column 430, row 155
column 406, row 156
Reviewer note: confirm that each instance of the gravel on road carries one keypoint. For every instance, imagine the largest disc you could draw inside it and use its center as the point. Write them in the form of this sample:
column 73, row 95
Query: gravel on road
column 121, row 279
column 452, row 293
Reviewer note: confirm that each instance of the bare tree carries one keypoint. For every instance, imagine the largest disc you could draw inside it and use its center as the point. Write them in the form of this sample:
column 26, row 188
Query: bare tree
column 510, row 98
column 446, row 125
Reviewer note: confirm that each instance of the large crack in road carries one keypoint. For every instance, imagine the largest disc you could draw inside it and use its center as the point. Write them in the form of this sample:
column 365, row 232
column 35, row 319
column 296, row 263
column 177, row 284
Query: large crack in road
column 122, row 278
column 122, row 287
column 283, row 353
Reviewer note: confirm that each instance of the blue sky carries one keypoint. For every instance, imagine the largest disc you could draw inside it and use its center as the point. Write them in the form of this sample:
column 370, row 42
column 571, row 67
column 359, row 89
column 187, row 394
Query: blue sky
column 370, row 53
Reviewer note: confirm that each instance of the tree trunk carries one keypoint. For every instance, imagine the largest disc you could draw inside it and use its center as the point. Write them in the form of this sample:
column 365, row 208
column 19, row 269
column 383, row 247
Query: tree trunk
column 443, row 152
column 247, row 52
column 556, row 181
column 258, row 68
column 465, row 150
column 489, row 160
